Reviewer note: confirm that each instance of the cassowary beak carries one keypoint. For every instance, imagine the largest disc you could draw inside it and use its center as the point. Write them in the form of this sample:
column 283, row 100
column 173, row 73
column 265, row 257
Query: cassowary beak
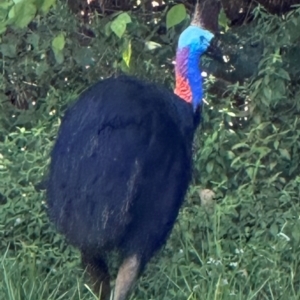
column 214, row 50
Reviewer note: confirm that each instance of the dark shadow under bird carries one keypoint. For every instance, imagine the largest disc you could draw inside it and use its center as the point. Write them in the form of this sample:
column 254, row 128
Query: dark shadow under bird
column 122, row 163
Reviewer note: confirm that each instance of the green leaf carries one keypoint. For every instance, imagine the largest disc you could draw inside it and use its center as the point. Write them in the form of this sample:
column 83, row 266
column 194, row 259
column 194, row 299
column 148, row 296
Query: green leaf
column 284, row 74
column 285, row 154
column 215, row 136
column 2, row 28
column 175, row 15
column 250, row 172
column 33, row 39
column 272, row 165
column 124, row 17
column 58, row 43
column 59, row 56
column 118, row 28
column 118, row 25
column 296, row 234
column 267, row 93
column 5, row 4
column 235, row 161
column 107, row 29
column 274, row 229
column 230, row 154
column 84, row 56
column 126, row 55
column 240, row 145
column 263, row 151
column 9, row 50
column 41, row 68
column 152, row 45
column 47, row 5
column 274, row 177
column 209, row 166
column 231, row 114
column 22, row 14
column 223, row 20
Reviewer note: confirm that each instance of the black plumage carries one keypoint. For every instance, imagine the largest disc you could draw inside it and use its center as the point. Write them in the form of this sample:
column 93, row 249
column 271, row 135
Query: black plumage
column 122, row 163
column 120, row 169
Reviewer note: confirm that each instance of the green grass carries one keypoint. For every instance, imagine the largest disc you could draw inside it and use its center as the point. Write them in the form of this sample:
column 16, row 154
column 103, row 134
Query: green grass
column 195, row 264
column 180, row 281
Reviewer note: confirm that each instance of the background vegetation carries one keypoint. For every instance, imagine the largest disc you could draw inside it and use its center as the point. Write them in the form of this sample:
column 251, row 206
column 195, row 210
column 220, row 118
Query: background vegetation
column 244, row 245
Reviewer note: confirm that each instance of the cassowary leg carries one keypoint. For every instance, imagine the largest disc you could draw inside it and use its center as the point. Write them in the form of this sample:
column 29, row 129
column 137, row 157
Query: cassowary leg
column 127, row 275
column 98, row 271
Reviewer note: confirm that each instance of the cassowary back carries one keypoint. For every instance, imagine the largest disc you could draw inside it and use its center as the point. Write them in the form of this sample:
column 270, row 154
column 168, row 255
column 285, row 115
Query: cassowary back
column 121, row 166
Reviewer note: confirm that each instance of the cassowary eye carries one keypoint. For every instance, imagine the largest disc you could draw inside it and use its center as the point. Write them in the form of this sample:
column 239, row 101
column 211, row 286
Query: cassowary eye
column 202, row 40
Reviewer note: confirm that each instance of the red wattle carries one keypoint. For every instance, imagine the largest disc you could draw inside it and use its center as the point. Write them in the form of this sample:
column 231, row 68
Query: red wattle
column 183, row 89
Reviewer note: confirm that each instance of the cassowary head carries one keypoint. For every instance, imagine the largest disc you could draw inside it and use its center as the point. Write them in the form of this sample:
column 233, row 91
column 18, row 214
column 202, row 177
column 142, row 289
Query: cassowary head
column 196, row 39
column 193, row 42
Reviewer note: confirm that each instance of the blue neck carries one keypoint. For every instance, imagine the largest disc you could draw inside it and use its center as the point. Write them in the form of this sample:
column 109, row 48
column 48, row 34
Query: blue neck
column 195, row 79
column 193, row 42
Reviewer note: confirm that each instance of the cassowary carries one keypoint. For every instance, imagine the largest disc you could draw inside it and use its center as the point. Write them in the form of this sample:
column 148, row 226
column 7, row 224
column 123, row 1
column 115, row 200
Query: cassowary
column 122, row 163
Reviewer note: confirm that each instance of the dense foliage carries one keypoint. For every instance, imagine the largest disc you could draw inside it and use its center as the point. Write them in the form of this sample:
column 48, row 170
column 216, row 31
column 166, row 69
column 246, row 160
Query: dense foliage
column 246, row 245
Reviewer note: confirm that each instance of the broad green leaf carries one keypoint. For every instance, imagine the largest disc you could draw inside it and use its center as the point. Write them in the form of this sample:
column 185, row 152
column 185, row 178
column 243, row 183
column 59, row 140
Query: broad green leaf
column 22, row 14
column 58, row 43
column 175, row 15
column 118, row 25
column 5, row 4
column 118, row 28
column 47, row 5
column 124, row 17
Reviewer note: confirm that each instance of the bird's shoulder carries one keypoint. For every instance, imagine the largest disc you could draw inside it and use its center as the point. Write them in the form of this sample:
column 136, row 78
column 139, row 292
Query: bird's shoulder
column 124, row 102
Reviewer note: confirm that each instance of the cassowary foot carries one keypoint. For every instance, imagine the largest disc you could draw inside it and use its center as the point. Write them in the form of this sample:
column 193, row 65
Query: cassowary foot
column 127, row 275
column 98, row 272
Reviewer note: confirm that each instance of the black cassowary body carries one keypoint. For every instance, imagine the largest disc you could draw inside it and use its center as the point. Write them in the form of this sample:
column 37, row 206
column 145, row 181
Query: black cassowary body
column 120, row 169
